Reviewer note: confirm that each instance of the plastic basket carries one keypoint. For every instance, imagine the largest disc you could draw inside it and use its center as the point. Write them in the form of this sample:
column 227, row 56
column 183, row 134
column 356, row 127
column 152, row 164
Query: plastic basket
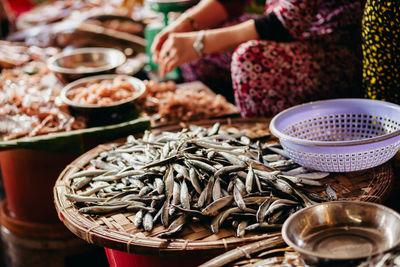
column 339, row 135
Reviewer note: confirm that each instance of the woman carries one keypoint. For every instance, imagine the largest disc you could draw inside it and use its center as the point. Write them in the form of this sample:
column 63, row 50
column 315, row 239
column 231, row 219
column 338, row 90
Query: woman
column 381, row 40
column 300, row 50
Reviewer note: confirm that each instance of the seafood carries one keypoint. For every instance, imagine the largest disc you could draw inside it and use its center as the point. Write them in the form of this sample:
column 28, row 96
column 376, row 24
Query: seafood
column 390, row 258
column 212, row 175
column 122, row 24
column 245, row 251
column 102, row 93
column 29, row 103
column 167, row 103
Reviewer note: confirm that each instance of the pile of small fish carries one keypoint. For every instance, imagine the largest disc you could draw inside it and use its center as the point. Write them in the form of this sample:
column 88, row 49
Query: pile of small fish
column 197, row 174
column 390, row 258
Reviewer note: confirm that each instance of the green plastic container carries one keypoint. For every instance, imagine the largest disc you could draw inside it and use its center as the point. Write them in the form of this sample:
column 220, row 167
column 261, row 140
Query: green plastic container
column 151, row 30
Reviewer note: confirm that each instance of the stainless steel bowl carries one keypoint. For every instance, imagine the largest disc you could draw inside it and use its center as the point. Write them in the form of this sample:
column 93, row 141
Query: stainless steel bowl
column 83, row 62
column 114, row 112
column 342, row 231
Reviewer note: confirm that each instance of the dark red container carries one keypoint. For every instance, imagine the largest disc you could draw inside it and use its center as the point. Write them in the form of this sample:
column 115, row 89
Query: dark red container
column 118, row 258
column 29, row 177
column 20, row 6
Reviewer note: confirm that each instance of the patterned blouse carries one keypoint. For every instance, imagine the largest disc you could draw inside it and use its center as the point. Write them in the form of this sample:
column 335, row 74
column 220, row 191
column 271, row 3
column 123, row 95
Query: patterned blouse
column 304, row 19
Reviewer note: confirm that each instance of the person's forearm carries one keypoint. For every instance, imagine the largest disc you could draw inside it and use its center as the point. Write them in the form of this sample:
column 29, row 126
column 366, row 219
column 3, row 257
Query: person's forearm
column 206, row 14
column 228, row 38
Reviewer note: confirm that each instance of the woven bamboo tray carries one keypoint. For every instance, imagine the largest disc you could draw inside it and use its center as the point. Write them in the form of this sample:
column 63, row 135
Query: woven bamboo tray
column 267, row 252
column 116, row 230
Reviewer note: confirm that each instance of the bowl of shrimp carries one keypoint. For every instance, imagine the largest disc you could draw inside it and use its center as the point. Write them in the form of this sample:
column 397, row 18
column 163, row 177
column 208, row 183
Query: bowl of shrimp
column 104, row 99
column 83, row 62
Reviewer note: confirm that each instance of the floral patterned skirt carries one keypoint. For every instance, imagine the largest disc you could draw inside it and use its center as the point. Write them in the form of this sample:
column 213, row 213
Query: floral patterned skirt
column 269, row 76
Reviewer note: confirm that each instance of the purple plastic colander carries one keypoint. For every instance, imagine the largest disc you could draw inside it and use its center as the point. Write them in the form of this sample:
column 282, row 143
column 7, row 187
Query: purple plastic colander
column 339, row 135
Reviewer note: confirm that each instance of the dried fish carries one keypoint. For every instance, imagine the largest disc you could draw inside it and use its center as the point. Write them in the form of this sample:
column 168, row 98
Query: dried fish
column 331, row 193
column 175, row 227
column 88, row 173
column 184, row 196
column 238, row 198
column 262, row 209
column 213, row 208
column 214, row 130
column 137, row 221
column 249, row 180
column 241, row 228
column 176, row 197
column 313, row 175
column 81, row 182
column 263, row 226
column 97, row 210
column 216, row 192
column 80, row 198
column 148, row 222
column 196, row 174
column 195, row 180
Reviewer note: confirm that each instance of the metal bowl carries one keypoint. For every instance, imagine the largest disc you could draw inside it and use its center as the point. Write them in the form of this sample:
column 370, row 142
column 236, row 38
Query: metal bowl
column 82, row 62
column 342, row 231
column 114, row 112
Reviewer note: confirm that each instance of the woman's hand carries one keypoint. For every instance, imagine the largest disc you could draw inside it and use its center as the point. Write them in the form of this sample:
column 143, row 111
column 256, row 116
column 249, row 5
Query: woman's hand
column 180, row 25
column 178, row 47
column 206, row 14
column 176, row 50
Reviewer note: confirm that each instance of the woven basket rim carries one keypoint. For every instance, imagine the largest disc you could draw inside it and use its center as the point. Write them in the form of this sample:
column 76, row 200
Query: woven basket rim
column 306, row 142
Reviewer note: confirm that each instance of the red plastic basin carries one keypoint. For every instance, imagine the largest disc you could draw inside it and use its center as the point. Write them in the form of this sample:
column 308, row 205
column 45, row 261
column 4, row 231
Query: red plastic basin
column 29, row 177
column 118, row 258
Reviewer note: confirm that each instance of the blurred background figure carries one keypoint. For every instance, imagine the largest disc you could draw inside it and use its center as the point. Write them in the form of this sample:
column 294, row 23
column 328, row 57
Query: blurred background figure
column 17, row 7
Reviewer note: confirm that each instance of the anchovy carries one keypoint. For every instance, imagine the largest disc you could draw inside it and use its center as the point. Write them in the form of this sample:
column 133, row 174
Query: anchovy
column 184, row 196
column 216, row 191
column 81, row 182
column 88, row 173
column 262, row 209
column 195, row 180
column 202, row 165
column 313, row 175
column 263, row 226
column 148, row 222
column 331, row 193
column 79, row 198
column 217, row 205
column 238, row 198
column 228, row 169
column 97, row 210
column 249, row 180
column 137, row 221
column 241, row 228
column 176, row 196
column 175, row 228
column 214, row 130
